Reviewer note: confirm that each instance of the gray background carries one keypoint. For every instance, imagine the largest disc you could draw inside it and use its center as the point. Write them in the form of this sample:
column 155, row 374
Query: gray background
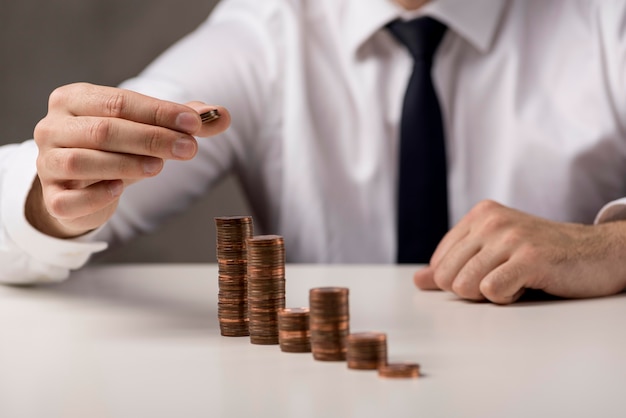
column 45, row 44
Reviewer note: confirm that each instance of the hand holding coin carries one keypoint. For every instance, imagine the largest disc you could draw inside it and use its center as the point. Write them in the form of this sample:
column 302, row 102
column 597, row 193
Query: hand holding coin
column 96, row 140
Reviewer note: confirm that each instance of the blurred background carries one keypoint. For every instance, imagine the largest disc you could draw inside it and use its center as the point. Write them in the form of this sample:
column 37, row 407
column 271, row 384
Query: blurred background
column 45, row 44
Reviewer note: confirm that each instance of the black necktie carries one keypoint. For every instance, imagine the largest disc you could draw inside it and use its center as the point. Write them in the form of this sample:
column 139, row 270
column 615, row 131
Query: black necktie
column 422, row 188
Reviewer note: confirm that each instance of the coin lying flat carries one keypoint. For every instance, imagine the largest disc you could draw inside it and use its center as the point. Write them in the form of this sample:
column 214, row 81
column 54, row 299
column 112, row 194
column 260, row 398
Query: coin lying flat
column 400, row 370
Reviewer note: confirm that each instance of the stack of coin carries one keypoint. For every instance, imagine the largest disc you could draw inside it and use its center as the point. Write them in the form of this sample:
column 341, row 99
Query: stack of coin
column 232, row 304
column 330, row 322
column 366, row 350
column 210, row 116
column 266, row 287
column 294, row 335
column 400, row 370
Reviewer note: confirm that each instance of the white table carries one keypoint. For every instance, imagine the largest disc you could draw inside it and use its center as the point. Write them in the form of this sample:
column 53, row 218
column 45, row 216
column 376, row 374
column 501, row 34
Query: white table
column 142, row 341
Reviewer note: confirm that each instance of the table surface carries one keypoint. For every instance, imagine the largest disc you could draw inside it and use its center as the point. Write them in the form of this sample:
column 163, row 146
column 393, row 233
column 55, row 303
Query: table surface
column 143, row 341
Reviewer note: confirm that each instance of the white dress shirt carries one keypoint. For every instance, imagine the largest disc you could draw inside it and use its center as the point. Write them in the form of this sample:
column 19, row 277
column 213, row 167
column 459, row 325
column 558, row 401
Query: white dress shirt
column 533, row 94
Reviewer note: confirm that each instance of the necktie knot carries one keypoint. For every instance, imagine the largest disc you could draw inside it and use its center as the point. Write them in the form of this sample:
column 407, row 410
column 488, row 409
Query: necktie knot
column 421, row 36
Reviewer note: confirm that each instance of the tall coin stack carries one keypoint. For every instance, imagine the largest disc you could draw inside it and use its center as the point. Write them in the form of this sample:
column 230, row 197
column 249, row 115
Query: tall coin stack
column 330, row 322
column 232, row 302
column 294, row 335
column 366, row 350
column 266, row 287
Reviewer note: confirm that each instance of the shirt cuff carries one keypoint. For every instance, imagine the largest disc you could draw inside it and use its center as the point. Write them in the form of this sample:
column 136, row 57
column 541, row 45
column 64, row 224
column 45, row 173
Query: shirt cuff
column 60, row 253
column 613, row 211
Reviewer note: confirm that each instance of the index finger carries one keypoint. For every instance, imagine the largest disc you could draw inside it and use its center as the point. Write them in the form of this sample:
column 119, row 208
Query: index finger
column 83, row 99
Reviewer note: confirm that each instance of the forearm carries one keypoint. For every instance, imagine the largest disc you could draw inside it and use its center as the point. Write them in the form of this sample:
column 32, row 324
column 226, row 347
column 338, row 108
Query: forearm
column 610, row 252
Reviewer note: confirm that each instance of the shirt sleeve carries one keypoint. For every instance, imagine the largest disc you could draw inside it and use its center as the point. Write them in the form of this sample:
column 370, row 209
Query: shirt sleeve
column 613, row 211
column 27, row 255
column 227, row 61
column 612, row 18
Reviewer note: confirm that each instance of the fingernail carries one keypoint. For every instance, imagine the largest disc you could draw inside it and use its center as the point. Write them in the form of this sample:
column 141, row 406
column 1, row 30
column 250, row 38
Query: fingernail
column 187, row 122
column 116, row 188
column 183, row 148
column 152, row 166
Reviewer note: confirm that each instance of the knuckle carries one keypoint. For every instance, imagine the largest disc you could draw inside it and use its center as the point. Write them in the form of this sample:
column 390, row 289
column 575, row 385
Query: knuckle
column 484, row 210
column 59, row 96
column 55, row 203
column 466, row 286
column 42, row 131
column 463, row 288
column 152, row 141
column 501, row 288
column 69, row 163
column 49, row 163
column 529, row 253
column 486, row 206
column 161, row 112
column 491, row 290
column 494, row 221
column 41, row 164
column 115, row 104
column 99, row 133
column 62, row 94
column 513, row 237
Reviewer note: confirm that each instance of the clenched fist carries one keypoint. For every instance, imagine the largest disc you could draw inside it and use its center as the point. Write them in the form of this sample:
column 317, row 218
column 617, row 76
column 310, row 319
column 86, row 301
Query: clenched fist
column 495, row 253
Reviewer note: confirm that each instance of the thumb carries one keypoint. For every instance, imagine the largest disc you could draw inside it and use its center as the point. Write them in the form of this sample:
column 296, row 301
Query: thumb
column 425, row 279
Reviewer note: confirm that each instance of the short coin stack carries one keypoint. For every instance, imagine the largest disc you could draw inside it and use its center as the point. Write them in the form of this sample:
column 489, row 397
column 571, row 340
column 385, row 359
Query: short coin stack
column 232, row 305
column 366, row 350
column 330, row 322
column 210, row 116
column 294, row 335
column 266, row 287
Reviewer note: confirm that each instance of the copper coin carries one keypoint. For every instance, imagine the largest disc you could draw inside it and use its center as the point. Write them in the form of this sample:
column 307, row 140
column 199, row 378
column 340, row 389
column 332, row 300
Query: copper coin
column 210, row 116
column 400, row 370
column 231, row 235
column 294, row 335
column 366, row 350
column 329, row 322
column 265, row 286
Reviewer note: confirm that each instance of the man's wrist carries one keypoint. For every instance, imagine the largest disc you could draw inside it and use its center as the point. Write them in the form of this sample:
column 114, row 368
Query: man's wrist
column 615, row 234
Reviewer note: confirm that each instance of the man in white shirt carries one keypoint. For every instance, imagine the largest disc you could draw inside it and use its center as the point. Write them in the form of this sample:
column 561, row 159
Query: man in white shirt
column 533, row 97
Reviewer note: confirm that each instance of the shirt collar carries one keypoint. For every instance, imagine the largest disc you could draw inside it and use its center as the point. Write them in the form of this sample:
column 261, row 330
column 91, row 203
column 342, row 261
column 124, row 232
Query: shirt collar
column 477, row 20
